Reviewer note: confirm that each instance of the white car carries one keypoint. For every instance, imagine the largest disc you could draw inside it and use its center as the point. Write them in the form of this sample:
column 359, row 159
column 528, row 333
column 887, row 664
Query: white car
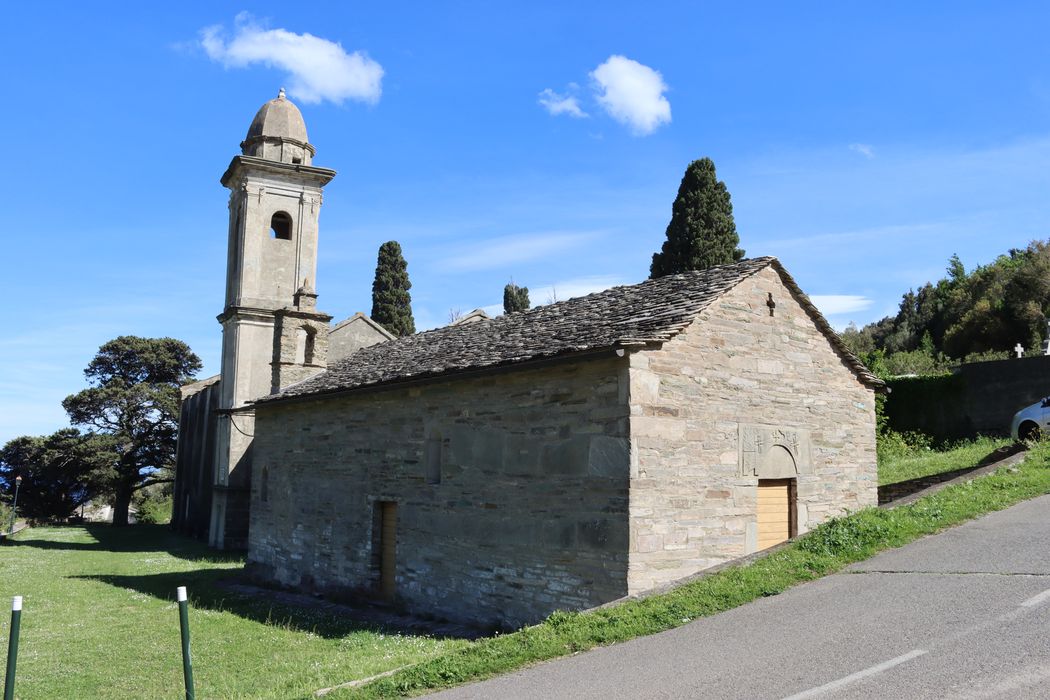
column 1031, row 421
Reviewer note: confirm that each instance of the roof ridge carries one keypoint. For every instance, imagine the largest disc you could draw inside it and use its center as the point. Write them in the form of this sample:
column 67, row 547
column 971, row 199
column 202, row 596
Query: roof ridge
column 652, row 311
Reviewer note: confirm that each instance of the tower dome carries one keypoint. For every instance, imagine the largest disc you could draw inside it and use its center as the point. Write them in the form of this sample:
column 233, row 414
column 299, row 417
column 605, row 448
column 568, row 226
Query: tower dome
column 278, row 132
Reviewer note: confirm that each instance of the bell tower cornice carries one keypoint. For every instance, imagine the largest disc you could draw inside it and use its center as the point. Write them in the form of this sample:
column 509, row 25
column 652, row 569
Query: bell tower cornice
column 243, row 166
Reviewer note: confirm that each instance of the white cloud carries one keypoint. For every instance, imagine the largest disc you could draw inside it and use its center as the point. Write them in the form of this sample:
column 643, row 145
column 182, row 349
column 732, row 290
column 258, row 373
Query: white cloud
column 833, row 304
column 561, row 104
column 318, row 69
column 864, row 149
column 926, row 230
column 501, row 252
column 632, row 94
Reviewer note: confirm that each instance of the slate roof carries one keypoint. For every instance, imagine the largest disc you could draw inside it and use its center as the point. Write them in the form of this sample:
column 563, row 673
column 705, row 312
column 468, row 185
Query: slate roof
column 188, row 390
column 651, row 312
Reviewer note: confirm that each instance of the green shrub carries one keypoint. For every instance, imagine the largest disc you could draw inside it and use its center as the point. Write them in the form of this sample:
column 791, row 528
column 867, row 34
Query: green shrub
column 847, row 535
column 986, row 356
column 935, row 404
column 153, row 510
column 915, row 362
column 5, row 516
column 892, row 445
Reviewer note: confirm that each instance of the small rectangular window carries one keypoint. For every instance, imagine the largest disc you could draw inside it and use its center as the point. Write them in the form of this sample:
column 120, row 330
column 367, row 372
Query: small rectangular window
column 432, row 460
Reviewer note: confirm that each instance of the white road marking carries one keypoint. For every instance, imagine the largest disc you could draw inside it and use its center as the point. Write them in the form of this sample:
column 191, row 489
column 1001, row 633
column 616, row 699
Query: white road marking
column 853, row 677
column 1037, row 599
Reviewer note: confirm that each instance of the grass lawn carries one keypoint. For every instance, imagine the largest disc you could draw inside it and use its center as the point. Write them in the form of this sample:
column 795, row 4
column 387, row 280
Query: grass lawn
column 905, row 464
column 100, row 622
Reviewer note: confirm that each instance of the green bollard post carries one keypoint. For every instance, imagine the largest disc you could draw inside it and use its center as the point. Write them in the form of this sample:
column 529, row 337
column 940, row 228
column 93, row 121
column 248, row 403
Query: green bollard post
column 184, row 623
column 12, row 648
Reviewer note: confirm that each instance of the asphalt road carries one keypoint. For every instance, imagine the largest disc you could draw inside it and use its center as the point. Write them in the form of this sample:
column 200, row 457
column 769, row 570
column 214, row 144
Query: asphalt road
column 963, row 614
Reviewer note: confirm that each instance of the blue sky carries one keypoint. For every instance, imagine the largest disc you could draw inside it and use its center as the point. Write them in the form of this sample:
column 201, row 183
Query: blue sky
column 541, row 142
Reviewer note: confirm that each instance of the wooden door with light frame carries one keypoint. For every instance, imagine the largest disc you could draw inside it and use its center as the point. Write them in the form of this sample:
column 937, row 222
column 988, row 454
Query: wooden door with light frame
column 777, row 512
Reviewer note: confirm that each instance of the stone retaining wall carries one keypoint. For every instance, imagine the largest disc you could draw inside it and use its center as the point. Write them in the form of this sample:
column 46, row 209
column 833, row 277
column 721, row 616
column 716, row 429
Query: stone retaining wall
column 979, row 398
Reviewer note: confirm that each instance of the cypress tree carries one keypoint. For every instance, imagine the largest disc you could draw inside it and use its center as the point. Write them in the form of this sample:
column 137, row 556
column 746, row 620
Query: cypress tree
column 515, row 298
column 701, row 233
column 391, row 302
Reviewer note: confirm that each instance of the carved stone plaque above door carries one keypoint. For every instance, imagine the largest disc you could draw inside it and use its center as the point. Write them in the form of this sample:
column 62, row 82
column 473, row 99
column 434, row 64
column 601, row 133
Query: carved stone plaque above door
column 772, row 452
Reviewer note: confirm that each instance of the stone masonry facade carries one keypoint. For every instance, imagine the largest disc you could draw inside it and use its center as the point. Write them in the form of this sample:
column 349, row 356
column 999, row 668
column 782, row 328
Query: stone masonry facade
column 352, row 334
column 566, row 482
column 529, row 513
column 736, row 370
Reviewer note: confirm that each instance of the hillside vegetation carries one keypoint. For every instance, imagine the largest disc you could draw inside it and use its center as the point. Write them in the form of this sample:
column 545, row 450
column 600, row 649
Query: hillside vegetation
column 964, row 317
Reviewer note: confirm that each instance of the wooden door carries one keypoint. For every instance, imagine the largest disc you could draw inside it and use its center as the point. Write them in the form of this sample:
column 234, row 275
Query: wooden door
column 775, row 511
column 387, row 549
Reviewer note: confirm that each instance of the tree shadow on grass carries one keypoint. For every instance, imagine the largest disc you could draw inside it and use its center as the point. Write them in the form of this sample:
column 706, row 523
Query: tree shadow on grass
column 133, row 538
column 215, row 589
column 888, row 493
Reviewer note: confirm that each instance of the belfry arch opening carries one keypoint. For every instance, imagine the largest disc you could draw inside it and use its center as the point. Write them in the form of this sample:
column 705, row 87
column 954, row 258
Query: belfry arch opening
column 305, row 346
column 309, row 347
column 281, row 226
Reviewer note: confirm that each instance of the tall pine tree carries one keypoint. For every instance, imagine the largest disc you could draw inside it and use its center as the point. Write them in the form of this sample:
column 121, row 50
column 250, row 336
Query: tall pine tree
column 515, row 298
column 701, row 233
column 391, row 302
column 133, row 401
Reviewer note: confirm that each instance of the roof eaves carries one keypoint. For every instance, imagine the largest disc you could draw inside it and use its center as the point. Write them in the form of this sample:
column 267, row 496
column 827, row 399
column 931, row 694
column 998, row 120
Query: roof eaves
column 439, row 375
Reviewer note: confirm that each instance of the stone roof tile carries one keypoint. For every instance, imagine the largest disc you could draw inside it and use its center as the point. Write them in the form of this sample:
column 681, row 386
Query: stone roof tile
column 651, row 312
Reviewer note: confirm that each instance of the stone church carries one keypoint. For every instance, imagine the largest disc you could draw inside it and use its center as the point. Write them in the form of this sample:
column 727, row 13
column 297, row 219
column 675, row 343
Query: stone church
column 497, row 470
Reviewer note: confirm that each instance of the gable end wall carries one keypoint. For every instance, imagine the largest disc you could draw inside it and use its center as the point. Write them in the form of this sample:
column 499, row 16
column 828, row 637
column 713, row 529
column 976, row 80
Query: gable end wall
column 350, row 336
column 735, row 365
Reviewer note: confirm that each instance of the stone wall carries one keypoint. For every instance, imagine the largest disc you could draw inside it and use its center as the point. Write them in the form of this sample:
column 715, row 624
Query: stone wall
column 736, row 378
column 980, row 398
column 995, row 391
column 529, row 516
column 352, row 334
column 300, row 345
column 195, row 460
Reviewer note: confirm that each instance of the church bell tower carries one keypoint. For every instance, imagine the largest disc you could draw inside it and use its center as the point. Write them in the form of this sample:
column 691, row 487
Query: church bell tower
column 275, row 200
